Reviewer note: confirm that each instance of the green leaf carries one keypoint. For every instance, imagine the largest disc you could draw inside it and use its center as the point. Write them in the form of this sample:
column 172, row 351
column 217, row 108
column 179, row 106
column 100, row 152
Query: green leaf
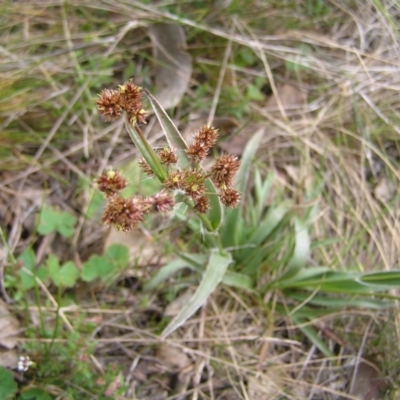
column 96, row 203
column 265, row 228
column 171, row 132
column 66, row 276
column 238, row 280
column 104, row 266
column 337, row 303
column 301, row 250
column 28, row 259
column 89, row 270
column 52, row 220
column 381, row 280
column 146, row 151
column 119, row 254
column 35, row 394
column 254, row 93
column 165, row 273
column 213, row 275
column 8, row 387
column 312, row 335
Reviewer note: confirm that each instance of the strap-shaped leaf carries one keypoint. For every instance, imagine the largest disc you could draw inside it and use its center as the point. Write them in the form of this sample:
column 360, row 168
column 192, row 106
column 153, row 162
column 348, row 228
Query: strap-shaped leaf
column 171, row 132
column 146, row 151
column 213, row 275
column 301, row 250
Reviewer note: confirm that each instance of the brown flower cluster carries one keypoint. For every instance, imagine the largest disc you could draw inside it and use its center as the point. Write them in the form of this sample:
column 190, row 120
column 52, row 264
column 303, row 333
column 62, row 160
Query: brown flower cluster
column 128, row 98
column 126, row 214
column 202, row 143
column 190, row 182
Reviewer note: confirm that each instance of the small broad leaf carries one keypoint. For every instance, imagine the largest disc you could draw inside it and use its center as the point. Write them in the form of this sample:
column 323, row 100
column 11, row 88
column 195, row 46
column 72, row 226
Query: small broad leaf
column 66, row 276
column 28, row 258
column 213, row 275
column 89, row 270
column 8, row 387
column 119, row 254
column 52, row 220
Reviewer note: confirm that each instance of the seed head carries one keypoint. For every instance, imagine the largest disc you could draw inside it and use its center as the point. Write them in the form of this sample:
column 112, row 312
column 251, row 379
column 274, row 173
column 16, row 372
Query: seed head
column 124, row 214
column 110, row 104
column 202, row 204
column 162, row 201
column 230, row 197
column 193, row 185
column 202, row 143
column 167, row 156
column 111, row 182
column 224, row 170
column 132, row 102
column 176, row 180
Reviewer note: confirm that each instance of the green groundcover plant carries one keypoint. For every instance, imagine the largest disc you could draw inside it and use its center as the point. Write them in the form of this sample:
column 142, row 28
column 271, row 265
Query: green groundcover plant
column 248, row 245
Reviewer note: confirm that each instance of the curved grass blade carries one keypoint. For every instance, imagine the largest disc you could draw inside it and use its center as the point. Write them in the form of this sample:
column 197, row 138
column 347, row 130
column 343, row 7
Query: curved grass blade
column 312, row 335
column 213, row 275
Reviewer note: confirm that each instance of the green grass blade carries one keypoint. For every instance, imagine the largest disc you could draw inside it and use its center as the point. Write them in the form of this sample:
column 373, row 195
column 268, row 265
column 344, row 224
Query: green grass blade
column 381, row 280
column 301, row 250
column 312, row 335
column 165, row 272
column 238, row 280
column 265, row 228
column 343, row 302
column 213, row 275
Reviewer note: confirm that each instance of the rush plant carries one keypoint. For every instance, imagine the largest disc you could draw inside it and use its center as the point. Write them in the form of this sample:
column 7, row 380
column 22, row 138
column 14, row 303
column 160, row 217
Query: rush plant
column 256, row 246
column 187, row 187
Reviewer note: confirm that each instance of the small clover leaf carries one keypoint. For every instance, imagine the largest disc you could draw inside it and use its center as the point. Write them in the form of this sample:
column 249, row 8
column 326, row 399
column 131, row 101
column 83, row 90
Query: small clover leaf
column 52, row 220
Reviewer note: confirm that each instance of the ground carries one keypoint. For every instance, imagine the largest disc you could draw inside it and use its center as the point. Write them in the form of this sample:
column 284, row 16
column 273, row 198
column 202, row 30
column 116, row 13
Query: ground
column 318, row 82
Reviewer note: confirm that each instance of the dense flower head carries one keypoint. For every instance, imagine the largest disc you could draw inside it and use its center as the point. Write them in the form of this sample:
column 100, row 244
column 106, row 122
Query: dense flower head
column 167, row 156
column 124, row 214
column 202, row 143
column 224, row 170
column 109, row 104
column 132, row 98
column 202, row 204
column 176, row 180
column 128, row 98
column 162, row 201
column 111, row 182
column 193, row 184
column 229, row 197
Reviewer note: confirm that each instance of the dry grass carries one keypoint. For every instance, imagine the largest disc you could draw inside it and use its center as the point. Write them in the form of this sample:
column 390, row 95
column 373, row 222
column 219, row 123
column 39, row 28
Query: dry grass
column 344, row 60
